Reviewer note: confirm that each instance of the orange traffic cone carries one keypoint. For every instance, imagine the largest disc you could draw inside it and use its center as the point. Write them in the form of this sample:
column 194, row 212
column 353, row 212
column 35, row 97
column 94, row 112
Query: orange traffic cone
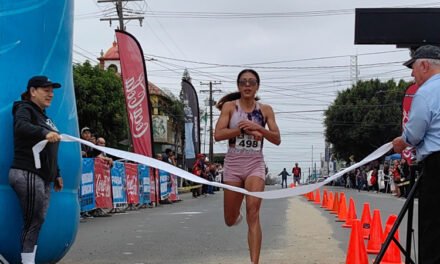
column 324, row 199
column 311, row 196
column 342, row 213
column 356, row 253
column 317, row 197
column 335, row 207
column 330, row 201
column 392, row 255
column 366, row 220
column 341, row 195
column 292, row 185
column 375, row 240
column 351, row 214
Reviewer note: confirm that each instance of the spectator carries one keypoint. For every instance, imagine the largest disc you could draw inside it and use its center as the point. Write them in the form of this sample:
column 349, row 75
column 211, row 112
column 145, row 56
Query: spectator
column 211, row 177
column 296, row 171
column 86, row 134
column 284, row 175
column 404, row 177
column 386, row 173
column 396, row 177
column 165, row 156
column 198, row 169
column 362, row 178
column 93, row 139
column 101, row 142
column 374, row 180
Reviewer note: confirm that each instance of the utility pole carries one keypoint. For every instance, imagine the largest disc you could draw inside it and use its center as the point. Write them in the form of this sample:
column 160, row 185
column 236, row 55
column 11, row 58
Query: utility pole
column 120, row 12
column 354, row 71
column 312, row 175
column 211, row 102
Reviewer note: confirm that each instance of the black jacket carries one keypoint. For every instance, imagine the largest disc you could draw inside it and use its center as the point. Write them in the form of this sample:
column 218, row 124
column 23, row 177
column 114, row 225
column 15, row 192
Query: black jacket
column 31, row 125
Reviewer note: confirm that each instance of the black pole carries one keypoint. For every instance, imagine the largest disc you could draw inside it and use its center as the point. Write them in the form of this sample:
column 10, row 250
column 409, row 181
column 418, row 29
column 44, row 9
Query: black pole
column 211, row 136
column 409, row 227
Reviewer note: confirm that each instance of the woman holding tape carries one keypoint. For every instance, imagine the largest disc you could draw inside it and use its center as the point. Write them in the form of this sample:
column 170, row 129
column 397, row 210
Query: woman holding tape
column 32, row 186
column 242, row 122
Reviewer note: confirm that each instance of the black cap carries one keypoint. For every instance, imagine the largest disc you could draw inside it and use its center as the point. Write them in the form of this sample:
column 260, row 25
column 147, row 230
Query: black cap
column 41, row 81
column 424, row 52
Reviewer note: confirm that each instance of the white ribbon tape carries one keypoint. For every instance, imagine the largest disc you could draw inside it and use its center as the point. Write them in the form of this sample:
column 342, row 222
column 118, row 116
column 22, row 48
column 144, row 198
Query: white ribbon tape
column 274, row 194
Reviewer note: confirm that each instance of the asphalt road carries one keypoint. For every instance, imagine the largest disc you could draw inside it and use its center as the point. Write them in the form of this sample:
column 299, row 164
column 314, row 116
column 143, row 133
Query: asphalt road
column 193, row 231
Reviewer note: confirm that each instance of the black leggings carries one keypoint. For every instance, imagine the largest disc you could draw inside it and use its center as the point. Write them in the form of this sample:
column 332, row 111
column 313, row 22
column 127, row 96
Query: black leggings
column 33, row 194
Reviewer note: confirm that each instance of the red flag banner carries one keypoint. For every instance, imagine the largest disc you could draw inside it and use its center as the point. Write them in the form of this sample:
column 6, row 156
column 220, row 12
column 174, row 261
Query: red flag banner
column 137, row 99
column 408, row 153
column 131, row 174
column 103, row 193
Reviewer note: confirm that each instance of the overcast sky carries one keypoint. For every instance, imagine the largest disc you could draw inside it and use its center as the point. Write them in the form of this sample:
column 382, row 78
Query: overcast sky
column 303, row 51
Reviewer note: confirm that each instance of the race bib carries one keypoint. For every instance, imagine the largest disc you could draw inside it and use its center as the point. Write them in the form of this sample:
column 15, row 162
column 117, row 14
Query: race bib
column 247, row 142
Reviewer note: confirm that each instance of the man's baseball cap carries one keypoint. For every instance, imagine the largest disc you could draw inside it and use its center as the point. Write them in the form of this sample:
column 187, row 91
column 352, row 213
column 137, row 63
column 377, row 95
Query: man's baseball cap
column 41, row 81
column 84, row 129
column 424, row 52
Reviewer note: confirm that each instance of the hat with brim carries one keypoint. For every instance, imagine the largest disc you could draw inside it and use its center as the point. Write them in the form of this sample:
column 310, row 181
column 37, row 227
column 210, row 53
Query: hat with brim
column 424, row 52
column 41, row 81
column 84, row 129
column 409, row 63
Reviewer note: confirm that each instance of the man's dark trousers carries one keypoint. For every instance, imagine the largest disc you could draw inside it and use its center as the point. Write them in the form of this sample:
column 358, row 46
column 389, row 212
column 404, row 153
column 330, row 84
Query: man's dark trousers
column 283, row 180
column 429, row 211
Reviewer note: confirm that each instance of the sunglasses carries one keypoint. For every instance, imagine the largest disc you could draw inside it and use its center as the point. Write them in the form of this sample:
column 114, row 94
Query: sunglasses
column 250, row 82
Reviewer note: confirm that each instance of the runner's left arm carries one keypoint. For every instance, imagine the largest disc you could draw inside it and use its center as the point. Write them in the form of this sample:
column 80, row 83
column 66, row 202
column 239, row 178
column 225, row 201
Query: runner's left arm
column 272, row 133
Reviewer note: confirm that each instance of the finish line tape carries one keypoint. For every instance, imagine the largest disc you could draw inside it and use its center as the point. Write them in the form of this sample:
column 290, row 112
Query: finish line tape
column 151, row 162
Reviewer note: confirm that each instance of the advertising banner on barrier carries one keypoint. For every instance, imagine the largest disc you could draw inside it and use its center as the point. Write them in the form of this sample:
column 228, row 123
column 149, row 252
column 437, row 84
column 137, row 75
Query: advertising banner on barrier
column 144, row 184
column 163, row 178
column 153, row 184
column 173, row 188
column 131, row 174
column 118, row 183
column 87, row 194
column 103, row 187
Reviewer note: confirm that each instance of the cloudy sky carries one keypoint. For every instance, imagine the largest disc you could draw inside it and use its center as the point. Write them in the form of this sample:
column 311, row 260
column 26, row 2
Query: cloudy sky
column 303, row 50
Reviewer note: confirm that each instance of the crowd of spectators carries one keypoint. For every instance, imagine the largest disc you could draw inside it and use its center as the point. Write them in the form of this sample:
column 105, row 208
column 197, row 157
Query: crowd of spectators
column 88, row 152
column 391, row 177
column 207, row 170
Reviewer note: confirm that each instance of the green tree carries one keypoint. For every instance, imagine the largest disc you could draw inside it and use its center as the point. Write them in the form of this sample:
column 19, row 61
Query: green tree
column 364, row 117
column 100, row 102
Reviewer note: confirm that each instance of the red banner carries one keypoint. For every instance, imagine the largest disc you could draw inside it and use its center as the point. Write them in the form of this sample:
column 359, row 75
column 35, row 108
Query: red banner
column 173, row 193
column 131, row 174
column 103, row 193
column 137, row 99
column 408, row 153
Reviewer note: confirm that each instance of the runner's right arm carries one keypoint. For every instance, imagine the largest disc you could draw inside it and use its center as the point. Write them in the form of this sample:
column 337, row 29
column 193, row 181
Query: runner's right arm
column 222, row 130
